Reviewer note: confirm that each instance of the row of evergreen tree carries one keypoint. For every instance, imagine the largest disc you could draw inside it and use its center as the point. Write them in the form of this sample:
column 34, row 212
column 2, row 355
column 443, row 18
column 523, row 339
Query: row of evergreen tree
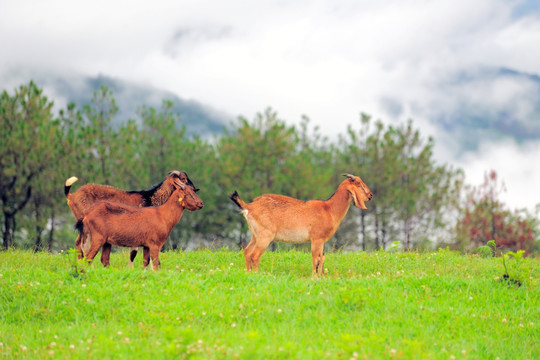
column 416, row 201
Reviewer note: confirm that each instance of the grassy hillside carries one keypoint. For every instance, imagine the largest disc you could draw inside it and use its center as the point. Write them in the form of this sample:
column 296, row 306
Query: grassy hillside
column 203, row 305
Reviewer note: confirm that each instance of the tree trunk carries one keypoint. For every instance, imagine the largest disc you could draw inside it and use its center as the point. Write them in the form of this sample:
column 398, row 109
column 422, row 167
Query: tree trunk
column 363, row 225
column 377, row 244
column 10, row 224
column 38, row 245
column 51, row 233
column 407, row 233
column 383, row 231
column 242, row 242
column 9, row 230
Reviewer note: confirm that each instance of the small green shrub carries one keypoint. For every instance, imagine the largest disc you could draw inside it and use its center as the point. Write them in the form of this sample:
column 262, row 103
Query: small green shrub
column 484, row 251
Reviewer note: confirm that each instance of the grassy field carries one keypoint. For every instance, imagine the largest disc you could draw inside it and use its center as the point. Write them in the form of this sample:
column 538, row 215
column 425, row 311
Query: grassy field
column 203, row 304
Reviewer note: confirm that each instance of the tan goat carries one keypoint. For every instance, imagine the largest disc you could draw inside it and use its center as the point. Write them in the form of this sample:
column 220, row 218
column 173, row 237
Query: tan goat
column 275, row 217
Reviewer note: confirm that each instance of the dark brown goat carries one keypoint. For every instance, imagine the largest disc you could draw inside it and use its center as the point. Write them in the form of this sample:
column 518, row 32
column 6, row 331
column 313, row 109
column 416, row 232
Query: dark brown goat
column 88, row 195
column 109, row 223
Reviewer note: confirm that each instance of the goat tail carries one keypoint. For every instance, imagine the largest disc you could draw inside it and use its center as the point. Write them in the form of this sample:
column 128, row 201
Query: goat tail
column 81, row 242
column 236, row 199
column 68, row 184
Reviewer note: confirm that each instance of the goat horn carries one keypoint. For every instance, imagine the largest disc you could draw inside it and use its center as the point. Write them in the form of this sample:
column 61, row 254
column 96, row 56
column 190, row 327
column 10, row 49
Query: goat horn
column 174, row 172
column 351, row 177
column 180, row 184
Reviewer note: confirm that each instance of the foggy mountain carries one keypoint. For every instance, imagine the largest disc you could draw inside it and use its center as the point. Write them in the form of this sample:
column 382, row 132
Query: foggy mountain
column 198, row 119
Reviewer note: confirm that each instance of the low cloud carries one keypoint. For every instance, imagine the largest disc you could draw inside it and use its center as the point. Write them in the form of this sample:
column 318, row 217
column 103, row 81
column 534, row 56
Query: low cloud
column 516, row 166
column 441, row 63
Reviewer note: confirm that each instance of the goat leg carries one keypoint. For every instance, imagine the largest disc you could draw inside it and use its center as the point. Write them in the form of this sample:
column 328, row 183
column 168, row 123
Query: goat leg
column 132, row 255
column 154, row 254
column 105, row 254
column 146, row 256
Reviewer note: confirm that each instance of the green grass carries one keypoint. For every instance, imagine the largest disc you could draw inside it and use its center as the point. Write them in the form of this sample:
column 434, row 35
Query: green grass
column 203, row 304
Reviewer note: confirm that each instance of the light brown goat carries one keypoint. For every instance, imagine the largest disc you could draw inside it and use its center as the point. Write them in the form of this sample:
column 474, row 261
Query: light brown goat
column 88, row 195
column 109, row 223
column 275, row 217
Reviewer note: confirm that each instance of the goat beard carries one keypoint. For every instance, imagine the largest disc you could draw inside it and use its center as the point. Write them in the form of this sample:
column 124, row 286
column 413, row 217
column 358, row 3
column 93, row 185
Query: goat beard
column 359, row 204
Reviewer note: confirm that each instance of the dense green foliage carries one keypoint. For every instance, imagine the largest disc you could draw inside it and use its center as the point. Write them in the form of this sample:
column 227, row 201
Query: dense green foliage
column 416, row 202
column 202, row 304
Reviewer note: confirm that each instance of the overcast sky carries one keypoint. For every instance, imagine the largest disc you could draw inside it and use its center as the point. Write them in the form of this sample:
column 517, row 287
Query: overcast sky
column 432, row 61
